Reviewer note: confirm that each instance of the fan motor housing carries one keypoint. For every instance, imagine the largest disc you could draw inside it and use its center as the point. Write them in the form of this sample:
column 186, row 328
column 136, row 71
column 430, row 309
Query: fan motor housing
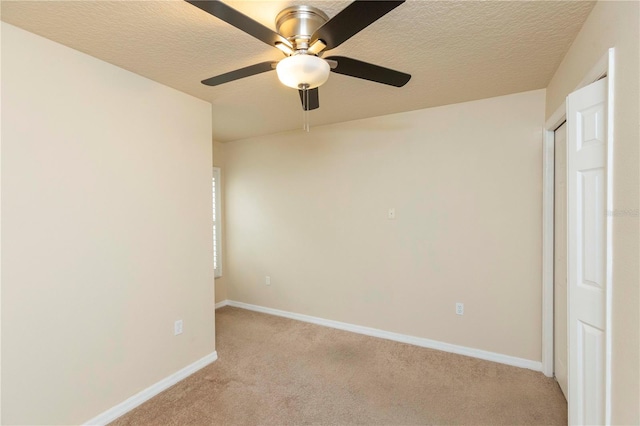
column 298, row 23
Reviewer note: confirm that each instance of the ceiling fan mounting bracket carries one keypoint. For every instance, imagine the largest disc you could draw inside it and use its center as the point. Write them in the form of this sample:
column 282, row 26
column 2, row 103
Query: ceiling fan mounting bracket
column 298, row 23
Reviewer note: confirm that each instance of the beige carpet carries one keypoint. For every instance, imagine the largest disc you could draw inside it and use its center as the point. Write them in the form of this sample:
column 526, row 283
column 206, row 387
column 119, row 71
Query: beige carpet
column 276, row 371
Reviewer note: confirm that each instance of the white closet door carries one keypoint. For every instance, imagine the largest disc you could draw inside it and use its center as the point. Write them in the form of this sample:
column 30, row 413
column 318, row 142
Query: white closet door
column 587, row 172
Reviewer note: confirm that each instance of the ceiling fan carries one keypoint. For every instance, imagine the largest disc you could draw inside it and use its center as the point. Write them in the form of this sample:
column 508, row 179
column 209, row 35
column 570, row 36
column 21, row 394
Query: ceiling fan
column 304, row 34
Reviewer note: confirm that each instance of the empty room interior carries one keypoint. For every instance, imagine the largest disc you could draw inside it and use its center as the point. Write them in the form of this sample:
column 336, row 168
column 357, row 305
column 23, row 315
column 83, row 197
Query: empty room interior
column 424, row 212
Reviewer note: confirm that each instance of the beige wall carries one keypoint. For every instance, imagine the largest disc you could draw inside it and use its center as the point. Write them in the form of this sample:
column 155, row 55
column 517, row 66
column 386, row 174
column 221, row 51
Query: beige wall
column 310, row 210
column 106, row 232
column 615, row 24
column 218, row 161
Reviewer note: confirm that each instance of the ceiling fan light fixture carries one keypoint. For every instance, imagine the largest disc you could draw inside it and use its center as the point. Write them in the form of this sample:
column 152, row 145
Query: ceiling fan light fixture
column 303, row 70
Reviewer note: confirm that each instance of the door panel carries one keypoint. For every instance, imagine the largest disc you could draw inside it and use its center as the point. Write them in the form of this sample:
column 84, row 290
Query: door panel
column 591, row 196
column 560, row 260
column 591, row 379
column 586, row 165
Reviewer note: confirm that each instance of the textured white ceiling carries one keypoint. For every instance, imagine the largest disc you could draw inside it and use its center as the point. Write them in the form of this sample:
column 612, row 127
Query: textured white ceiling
column 456, row 51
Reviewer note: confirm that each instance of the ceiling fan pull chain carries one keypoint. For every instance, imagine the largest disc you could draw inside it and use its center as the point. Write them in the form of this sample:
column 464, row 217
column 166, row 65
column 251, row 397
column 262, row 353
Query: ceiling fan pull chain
column 305, row 107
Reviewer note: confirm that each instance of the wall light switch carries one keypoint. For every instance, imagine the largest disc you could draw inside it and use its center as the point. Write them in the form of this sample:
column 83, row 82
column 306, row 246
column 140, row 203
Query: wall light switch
column 392, row 214
column 267, row 280
column 177, row 327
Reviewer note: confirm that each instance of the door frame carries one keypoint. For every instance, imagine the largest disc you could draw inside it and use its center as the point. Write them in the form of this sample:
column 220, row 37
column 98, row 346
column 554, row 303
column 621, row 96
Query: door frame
column 604, row 67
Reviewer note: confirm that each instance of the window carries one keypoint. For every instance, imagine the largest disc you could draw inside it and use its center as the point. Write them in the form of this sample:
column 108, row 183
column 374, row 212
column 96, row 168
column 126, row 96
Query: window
column 217, row 249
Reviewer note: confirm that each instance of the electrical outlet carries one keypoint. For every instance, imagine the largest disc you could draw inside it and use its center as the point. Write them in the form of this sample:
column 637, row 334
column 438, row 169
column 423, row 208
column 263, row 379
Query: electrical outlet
column 267, row 280
column 459, row 308
column 177, row 327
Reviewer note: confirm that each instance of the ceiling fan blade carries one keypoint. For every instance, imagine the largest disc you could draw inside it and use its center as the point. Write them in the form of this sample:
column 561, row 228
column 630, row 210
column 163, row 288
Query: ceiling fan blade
column 366, row 71
column 312, row 98
column 241, row 73
column 240, row 21
column 351, row 20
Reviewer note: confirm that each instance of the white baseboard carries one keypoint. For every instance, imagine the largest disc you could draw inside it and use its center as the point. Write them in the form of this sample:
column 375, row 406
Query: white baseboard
column 129, row 404
column 417, row 341
column 222, row 304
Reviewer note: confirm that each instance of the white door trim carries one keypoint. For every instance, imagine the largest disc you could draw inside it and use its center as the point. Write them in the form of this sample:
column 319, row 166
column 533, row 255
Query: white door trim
column 548, row 210
column 605, row 66
column 609, row 230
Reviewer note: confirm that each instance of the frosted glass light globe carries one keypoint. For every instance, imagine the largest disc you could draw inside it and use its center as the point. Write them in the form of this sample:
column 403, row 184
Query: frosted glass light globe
column 303, row 70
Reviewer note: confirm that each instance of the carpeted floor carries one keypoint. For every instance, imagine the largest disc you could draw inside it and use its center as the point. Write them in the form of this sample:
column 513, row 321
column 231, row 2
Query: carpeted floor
column 276, row 371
